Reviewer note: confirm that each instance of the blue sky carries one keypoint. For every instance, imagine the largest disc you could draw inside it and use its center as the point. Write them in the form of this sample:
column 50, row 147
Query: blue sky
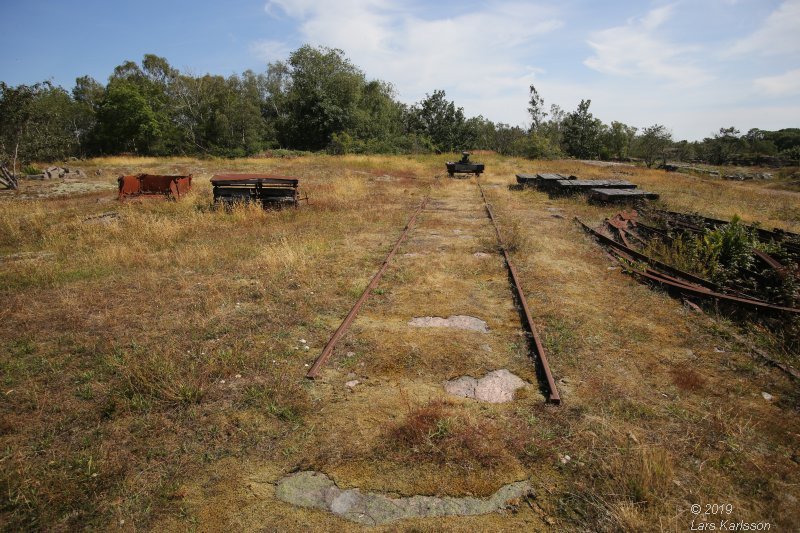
column 694, row 66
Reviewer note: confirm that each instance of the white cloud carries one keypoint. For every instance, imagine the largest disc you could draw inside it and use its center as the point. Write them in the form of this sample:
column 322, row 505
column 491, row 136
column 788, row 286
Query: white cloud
column 481, row 54
column 784, row 84
column 778, row 34
column 486, row 57
column 635, row 49
column 268, row 51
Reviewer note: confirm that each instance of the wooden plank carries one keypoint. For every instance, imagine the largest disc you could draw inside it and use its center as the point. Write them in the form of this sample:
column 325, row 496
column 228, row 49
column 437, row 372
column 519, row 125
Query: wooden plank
column 597, row 184
column 556, row 177
column 620, row 195
column 577, row 186
column 542, row 181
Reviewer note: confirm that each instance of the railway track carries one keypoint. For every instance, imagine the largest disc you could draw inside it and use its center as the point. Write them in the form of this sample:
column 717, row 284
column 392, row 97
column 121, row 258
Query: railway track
column 327, row 351
column 535, row 347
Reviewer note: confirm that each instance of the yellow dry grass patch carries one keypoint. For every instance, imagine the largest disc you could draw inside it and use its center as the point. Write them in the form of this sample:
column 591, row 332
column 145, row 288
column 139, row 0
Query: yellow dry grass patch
column 162, row 352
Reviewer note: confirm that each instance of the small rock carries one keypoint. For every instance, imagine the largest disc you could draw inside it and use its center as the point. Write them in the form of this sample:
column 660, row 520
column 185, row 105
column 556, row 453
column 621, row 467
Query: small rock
column 565, row 459
column 719, row 350
column 222, row 382
column 351, row 384
column 767, row 396
column 495, row 387
column 305, row 347
column 302, row 341
column 463, row 386
column 481, row 255
column 237, row 376
column 350, row 354
column 454, row 321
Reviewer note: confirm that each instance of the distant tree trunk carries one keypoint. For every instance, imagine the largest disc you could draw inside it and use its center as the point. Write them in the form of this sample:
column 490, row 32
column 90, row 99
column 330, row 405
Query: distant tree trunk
column 14, row 165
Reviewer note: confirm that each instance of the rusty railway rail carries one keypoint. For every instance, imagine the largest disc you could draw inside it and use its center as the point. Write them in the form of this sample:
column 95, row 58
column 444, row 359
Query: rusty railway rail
column 552, row 393
column 675, row 281
column 313, row 372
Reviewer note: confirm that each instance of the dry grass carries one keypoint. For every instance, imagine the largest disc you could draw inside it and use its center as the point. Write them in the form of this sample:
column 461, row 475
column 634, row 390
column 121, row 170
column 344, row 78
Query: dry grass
column 624, row 350
column 687, row 379
column 436, row 433
column 151, row 367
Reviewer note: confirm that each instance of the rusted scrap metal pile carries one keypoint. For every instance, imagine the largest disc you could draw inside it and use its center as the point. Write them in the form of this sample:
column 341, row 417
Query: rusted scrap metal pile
column 153, row 185
column 598, row 191
column 464, row 166
column 694, row 223
column 626, row 235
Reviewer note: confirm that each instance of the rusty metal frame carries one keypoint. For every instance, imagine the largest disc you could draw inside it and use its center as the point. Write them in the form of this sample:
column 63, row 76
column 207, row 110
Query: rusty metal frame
column 673, row 284
column 552, row 396
column 788, row 239
column 137, row 185
column 638, row 256
column 323, row 357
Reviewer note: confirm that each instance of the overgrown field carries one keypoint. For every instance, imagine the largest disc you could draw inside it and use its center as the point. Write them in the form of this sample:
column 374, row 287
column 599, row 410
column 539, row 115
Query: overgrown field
column 152, row 355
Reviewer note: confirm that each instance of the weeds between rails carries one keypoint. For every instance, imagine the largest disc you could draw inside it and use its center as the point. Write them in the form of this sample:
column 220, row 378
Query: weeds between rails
column 547, row 382
column 535, row 343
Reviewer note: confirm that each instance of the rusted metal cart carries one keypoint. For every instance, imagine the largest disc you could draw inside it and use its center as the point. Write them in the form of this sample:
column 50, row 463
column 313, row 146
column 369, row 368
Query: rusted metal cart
column 464, row 166
column 154, row 185
column 268, row 190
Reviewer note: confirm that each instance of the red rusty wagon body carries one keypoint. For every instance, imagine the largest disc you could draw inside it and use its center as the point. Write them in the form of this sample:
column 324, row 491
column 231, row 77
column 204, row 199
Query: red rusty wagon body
column 153, row 184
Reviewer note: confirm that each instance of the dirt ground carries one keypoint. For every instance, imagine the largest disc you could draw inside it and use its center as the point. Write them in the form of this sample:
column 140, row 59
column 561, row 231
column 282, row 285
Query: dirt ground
column 152, row 356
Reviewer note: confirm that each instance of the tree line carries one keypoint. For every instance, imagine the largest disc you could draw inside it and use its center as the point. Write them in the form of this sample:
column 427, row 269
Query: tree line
column 315, row 100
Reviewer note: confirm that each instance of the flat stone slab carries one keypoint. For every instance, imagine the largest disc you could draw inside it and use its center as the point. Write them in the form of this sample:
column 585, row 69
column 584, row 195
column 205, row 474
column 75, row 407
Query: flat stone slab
column 317, row 491
column 456, row 321
column 498, row 386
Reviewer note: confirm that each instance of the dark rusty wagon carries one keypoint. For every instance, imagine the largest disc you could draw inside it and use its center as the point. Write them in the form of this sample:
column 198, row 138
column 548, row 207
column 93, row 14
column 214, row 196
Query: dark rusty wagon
column 464, row 166
column 266, row 189
column 154, row 185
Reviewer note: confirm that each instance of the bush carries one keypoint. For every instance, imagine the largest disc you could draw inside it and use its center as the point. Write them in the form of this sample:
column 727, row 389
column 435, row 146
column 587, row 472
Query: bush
column 341, row 143
column 534, row 146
